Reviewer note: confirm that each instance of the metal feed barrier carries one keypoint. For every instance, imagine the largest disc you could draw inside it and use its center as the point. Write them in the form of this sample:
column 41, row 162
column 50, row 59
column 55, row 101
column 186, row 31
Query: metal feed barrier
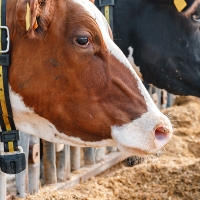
column 57, row 164
column 59, row 161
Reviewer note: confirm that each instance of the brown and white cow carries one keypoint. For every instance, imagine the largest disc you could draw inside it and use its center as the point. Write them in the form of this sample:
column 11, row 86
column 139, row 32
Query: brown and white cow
column 69, row 82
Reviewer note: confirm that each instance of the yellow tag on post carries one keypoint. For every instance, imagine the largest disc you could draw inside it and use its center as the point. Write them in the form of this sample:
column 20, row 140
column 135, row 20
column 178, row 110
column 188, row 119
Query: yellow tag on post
column 107, row 14
column 180, row 4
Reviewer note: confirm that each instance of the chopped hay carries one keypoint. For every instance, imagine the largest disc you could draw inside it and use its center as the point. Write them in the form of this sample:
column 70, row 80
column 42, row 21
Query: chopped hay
column 173, row 176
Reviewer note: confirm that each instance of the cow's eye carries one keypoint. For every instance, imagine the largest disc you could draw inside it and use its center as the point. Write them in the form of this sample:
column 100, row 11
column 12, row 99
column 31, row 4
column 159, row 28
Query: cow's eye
column 82, row 40
column 42, row 2
column 196, row 17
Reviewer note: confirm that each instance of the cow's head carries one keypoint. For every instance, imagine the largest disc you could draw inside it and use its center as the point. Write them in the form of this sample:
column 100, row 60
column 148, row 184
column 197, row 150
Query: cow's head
column 166, row 42
column 71, row 84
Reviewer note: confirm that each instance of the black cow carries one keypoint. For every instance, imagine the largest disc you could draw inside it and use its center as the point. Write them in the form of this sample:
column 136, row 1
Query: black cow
column 164, row 42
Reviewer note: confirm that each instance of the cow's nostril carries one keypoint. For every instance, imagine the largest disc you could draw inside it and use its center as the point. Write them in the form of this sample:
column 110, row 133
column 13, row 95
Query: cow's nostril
column 161, row 133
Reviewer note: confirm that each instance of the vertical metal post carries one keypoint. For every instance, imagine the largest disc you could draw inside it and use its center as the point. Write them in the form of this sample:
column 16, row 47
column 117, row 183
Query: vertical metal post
column 150, row 90
column 22, row 178
column 89, row 156
column 49, row 157
column 163, row 99
column 34, row 165
column 82, row 157
column 63, row 163
column 75, row 158
column 154, row 95
column 2, row 181
column 158, row 91
column 170, row 99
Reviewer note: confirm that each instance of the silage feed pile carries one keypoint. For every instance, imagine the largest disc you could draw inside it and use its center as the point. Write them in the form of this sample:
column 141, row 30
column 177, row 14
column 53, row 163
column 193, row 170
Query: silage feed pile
column 173, row 176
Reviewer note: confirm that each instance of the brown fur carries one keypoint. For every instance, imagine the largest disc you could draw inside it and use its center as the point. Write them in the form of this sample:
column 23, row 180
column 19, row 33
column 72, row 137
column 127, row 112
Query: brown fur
column 82, row 91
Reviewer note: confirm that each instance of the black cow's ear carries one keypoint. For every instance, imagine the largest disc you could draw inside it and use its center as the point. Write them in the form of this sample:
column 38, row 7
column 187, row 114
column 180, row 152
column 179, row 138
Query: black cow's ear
column 189, row 3
column 34, row 16
column 192, row 9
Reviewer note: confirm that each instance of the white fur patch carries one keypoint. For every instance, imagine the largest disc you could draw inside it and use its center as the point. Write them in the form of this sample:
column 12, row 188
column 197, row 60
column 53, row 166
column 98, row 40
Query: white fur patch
column 139, row 134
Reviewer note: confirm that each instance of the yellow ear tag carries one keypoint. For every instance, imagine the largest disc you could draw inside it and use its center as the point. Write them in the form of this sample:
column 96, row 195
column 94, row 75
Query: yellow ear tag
column 35, row 25
column 180, row 4
column 28, row 16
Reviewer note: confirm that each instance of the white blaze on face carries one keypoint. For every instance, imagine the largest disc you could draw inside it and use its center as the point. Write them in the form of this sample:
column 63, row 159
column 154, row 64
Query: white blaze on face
column 140, row 135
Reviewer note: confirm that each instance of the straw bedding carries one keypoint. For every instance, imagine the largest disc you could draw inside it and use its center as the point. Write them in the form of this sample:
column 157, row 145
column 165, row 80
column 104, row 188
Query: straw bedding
column 172, row 176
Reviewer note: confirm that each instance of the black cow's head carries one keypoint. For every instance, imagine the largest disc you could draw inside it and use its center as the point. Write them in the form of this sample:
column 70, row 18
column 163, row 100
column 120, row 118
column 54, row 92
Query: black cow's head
column 165, row 42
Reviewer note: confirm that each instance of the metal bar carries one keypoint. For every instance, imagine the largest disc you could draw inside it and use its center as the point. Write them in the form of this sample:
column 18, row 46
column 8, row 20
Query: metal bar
column 34, row 173
column 22, row 178
column 75, row 158
column 158, row 92
column 164, row 99
column 87, row 172
column 34, row 169
column 49, row 157
column 63, row 163
column 89, row 156
column 170, row 99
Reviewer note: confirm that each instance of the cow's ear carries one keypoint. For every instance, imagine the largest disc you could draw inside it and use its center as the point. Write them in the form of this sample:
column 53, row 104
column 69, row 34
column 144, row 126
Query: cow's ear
column 34, row 16
column 192, row 10
column 92, row 1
